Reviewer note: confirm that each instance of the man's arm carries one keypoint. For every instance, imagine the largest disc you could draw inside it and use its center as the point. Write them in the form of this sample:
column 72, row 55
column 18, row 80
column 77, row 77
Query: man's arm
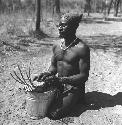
column 81, row 78
column 53, row 67
column 84, row 67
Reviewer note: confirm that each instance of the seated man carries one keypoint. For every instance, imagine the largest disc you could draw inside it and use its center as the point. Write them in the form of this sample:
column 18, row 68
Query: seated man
column 71, row 63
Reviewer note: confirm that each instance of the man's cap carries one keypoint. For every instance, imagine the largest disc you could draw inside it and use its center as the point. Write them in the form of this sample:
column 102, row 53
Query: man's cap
column 72, row 18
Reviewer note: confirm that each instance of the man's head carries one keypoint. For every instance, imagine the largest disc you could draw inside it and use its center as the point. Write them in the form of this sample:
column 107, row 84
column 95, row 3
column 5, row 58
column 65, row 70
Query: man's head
column 68, row 24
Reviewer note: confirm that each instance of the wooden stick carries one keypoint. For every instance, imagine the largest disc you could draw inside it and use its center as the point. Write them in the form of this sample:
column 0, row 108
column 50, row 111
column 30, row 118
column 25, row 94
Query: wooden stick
column 29, row 79
column 29, row 72
column 24, row 78
column 18, row 77
column 22, row 75
column 30, row 76
column 15, row 79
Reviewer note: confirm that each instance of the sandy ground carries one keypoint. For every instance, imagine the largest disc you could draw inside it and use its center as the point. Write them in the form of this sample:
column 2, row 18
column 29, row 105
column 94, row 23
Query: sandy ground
column 103, row 89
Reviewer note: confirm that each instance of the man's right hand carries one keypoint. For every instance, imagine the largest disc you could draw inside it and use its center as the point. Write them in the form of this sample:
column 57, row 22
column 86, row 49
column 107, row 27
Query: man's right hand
column 42, row 76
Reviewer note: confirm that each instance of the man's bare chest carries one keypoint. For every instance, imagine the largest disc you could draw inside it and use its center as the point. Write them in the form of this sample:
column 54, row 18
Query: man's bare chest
column 70, row 55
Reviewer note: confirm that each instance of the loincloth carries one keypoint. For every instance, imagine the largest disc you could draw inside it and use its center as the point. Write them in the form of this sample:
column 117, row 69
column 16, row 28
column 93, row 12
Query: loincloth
column 68, row 89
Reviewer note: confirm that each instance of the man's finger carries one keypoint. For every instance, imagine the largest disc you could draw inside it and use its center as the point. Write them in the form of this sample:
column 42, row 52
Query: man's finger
column 49, row 78
column 44, row 77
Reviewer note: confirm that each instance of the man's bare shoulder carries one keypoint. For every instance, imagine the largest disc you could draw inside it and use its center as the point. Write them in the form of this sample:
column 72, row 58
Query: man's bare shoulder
column 82, row 47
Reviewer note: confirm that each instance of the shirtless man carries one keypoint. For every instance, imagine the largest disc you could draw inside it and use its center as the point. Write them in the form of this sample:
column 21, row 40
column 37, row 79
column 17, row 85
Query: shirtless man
column 71, row 62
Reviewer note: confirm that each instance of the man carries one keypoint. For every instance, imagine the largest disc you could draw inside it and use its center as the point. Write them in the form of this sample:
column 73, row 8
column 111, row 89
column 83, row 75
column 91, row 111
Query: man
column 71, row 63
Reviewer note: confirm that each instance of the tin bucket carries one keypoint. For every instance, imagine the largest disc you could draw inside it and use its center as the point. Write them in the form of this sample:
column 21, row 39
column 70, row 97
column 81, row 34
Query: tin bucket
column 38, row 103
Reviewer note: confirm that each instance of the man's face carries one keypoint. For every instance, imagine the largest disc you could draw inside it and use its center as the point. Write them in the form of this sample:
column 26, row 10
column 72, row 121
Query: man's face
column 64, row 28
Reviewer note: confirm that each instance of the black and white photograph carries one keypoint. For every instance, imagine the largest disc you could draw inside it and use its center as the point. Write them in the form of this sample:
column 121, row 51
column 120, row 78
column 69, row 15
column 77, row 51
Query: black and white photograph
column 60, row 62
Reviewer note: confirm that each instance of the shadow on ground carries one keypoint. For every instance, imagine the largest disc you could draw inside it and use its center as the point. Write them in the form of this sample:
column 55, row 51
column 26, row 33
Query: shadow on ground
column 96, row 100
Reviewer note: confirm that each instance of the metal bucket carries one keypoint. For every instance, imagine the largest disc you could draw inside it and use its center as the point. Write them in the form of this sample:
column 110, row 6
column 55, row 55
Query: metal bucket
column 38, row 103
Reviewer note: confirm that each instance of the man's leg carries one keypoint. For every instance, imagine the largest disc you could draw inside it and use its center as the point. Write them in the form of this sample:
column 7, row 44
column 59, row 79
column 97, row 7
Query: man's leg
column 69, row 102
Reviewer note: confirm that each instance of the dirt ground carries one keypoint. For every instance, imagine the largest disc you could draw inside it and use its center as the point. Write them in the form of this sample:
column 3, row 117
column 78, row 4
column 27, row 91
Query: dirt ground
column 103, row 89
